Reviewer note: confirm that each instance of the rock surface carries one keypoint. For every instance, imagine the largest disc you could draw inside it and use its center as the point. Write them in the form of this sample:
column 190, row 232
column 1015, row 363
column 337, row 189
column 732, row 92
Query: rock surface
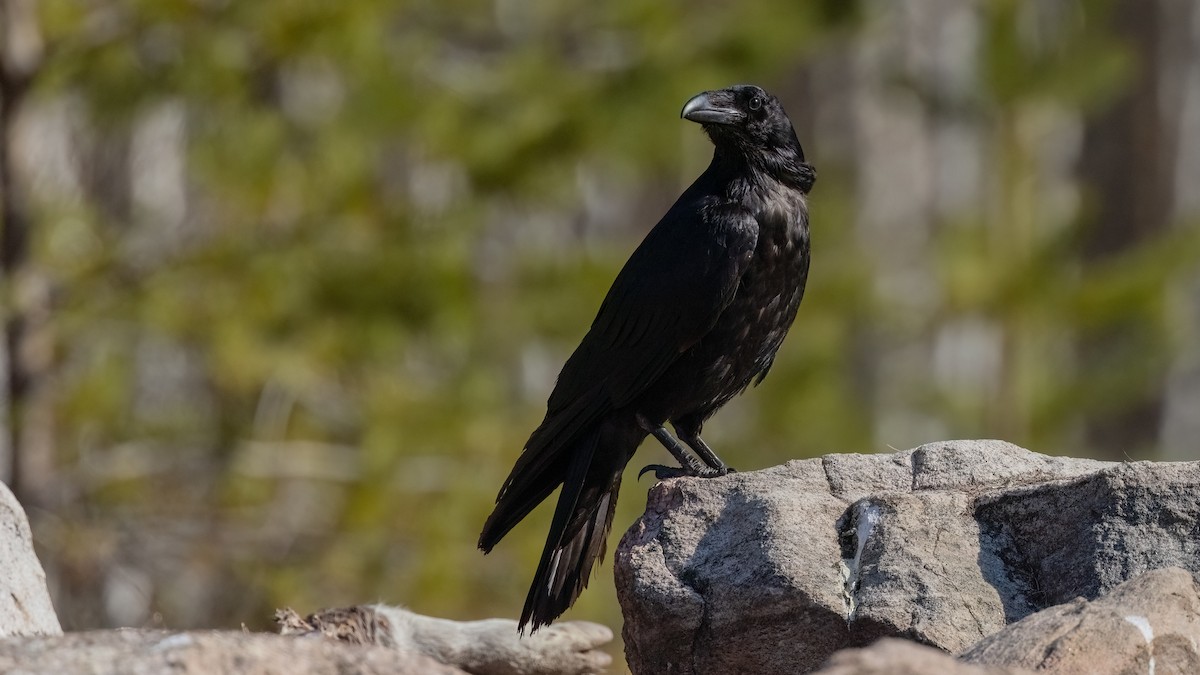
column 1148, row 625
column 145, row 652
column 25, row 607
column 772, row 571
column 891, row 656
column 367, row 640
column 487, row 647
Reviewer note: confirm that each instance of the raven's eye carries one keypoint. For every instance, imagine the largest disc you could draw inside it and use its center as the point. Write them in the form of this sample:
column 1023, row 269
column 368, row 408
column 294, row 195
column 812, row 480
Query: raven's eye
column 755, row 103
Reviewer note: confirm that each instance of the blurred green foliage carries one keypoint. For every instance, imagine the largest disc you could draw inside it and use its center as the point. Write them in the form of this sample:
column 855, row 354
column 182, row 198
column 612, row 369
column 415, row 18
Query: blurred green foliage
column 353, row 172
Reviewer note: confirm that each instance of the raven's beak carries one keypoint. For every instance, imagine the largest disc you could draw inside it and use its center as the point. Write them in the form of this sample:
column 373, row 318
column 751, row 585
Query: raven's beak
column 711, row 107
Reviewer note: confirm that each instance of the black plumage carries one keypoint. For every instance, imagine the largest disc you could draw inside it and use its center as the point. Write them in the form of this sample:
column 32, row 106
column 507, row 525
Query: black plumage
column 696, row 314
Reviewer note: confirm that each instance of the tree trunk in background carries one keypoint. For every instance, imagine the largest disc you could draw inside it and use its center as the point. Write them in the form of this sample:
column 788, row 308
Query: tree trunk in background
column 908, row 179
column 1127, row 164
column 1181, row 425
column 24, row 299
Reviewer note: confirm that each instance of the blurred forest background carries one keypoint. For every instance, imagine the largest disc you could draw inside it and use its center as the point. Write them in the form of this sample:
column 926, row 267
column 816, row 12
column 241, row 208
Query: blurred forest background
column 286, row 282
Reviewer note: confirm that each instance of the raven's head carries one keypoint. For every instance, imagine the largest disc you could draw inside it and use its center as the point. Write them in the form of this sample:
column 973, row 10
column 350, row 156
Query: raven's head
column 743, row 116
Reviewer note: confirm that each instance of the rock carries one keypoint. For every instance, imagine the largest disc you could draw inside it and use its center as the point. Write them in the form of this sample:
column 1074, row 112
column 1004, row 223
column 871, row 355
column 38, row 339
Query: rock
column 772, row 571
column 1148, row 625
column 487, row 647
column 719, row 575
column 1082, row 538
column 891, row 656
column 25, row 607
column 368, row 640
column 147, row 652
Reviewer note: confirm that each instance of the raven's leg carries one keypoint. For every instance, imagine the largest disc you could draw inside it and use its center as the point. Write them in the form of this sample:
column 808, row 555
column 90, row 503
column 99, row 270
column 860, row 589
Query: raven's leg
column 689, row 432
column 688, row 465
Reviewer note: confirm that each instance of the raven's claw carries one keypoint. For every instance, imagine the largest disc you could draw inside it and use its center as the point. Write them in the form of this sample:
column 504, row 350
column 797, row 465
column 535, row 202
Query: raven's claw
column 663, row 472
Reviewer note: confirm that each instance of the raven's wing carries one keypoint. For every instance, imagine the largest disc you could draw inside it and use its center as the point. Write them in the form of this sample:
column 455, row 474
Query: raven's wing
column 667, row 297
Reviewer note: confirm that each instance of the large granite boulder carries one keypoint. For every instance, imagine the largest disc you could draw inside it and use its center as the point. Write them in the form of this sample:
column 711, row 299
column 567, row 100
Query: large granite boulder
column 772, row 571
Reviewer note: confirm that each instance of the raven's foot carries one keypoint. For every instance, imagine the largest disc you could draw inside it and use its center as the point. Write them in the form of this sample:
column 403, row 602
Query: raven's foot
column 663, row 472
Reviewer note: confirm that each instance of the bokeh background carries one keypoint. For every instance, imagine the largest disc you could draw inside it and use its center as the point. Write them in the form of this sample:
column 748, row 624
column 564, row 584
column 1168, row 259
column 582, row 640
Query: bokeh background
column 286, row 282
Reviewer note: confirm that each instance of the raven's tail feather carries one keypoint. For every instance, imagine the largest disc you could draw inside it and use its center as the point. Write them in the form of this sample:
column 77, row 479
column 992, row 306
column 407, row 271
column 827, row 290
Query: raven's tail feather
column 577, row 537
column 548, row 457
column 512, row 506
column 589, row 470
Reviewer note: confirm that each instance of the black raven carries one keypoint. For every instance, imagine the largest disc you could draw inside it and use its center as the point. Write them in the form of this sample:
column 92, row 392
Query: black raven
column 696, row 314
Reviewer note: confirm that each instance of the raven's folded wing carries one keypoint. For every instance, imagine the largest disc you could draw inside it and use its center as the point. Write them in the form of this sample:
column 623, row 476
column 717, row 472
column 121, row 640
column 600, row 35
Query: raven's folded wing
column 667, row 297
